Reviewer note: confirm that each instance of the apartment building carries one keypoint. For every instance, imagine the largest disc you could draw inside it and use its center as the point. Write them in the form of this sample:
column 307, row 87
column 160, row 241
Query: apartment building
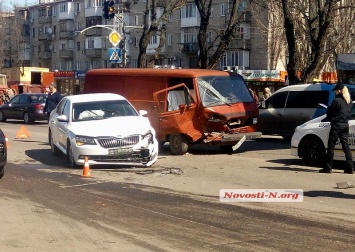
column 53, row 37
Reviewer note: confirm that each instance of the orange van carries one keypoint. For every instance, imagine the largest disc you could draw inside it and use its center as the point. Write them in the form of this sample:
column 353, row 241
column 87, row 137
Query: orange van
column 185, row 106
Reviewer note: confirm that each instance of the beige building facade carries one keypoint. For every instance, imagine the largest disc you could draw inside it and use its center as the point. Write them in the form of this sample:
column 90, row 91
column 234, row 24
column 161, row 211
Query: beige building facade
column 54, row 38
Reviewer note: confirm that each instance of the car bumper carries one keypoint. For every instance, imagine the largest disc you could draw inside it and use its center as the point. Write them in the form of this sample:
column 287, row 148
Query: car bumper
column 137, row 155
column 39, row 115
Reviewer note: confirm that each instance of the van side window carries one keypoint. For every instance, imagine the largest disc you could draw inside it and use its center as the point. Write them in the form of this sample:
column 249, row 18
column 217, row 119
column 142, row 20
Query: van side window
column 307, row 99
column 187, row 81
column 276, row 100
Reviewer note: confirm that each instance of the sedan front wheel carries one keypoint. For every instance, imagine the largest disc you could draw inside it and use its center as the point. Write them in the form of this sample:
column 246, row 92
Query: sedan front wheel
column 70, row 156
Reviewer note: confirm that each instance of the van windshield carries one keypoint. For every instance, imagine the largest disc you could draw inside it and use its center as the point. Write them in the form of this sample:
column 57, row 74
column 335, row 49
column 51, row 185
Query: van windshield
column 220, row 90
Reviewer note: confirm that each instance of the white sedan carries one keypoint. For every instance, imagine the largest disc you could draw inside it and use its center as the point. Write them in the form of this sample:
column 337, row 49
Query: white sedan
column 104, row 127
column 310, row 141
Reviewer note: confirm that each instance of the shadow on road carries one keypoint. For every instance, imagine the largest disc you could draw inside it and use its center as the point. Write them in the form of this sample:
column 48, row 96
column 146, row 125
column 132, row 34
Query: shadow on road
column 329, row 194
column 271, row 143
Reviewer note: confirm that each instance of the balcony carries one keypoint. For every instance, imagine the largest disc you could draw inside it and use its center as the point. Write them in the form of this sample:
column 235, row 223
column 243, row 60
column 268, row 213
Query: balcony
column 94, row 32
column 94, row 52
column 66, row 34
column 241, row 44
column 245, row 16
column 44, row 19
column 191, row 47
column 45, row 55
column 65, row 53
column 44, row 36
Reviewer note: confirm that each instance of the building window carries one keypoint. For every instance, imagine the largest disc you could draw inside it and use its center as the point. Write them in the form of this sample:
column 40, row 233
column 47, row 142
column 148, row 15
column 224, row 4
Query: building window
column 92, row 21
column 170, row 18
column 33, row 32
column 209, row 37
column 135, row 41
column 63, row 8
column 54, row 10
column 223, row 10
column 91, row 43
column 170, row 40
column 154, row 39
column 136, row 20
column 78, row 46
column 77, row 8
column 189, row 11
column 189, row 37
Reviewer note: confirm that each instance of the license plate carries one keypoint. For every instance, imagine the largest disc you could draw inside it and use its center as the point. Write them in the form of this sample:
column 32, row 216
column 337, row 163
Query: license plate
column 117, row 152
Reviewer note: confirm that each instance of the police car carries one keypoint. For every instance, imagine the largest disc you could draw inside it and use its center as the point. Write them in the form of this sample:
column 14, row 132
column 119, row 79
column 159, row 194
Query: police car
column 310, row 140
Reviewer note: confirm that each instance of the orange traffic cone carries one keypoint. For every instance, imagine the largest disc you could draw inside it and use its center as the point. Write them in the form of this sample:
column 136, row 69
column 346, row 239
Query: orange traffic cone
column 7, row 142
column 22, row 133
column 86, row 169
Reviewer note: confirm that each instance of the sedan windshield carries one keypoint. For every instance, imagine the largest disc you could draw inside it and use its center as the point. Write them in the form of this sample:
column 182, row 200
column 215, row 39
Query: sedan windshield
column 87, row 111
column 219, row 90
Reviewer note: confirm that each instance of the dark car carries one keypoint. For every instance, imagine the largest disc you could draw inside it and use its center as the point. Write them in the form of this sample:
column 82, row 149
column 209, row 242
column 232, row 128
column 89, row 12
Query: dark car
column 3, row 153
column 27, row 107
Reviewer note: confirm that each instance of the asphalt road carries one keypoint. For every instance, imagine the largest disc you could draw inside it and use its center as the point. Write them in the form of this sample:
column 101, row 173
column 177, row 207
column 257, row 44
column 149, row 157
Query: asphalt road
column 46, row 206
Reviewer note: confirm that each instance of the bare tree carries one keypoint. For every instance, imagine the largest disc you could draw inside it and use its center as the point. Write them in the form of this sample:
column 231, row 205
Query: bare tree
column 154, row 23
column 221, row 40
column 314, row 30
column 269, row 23
column 3, row 31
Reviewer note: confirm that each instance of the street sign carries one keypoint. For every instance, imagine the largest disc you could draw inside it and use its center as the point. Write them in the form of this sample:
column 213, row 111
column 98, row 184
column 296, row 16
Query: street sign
column 115, row 55
column 114, row 37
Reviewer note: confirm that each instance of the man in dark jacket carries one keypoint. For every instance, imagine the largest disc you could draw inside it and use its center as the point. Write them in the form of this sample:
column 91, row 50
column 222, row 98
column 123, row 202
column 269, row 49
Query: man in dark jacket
column 54, row 97
column 338, row 114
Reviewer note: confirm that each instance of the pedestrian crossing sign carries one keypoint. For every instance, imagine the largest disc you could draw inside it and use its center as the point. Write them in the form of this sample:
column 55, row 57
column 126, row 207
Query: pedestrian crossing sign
column 115, row 55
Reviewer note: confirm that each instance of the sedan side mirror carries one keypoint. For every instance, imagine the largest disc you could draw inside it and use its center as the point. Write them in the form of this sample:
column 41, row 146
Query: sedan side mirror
column 143, row 112
column 62, row 118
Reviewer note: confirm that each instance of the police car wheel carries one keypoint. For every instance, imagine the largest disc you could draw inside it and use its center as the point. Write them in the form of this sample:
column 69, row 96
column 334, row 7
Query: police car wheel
column 313, row 151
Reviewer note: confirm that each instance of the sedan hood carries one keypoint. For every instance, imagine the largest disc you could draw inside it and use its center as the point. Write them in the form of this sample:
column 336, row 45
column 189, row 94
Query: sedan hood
column 114, row 126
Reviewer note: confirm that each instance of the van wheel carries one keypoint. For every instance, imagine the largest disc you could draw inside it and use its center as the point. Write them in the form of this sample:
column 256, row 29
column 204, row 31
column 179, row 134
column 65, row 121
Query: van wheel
column 178, row 144
column 313, row 151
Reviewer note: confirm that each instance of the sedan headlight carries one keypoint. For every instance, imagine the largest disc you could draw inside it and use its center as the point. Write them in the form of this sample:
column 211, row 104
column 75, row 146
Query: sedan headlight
column 148, row 137
column 83, row 140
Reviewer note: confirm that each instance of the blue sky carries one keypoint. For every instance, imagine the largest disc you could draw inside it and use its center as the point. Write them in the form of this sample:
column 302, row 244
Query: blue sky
column 9, row 3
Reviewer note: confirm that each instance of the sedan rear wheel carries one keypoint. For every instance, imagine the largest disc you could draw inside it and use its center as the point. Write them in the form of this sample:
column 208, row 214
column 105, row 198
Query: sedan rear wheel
column 28, row 119
column 2, row 117
column 313, row 151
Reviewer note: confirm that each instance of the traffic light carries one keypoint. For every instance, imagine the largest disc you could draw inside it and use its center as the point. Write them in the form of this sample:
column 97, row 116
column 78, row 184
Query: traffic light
column 105, row 10
column 108, row 10
column 122, row 43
